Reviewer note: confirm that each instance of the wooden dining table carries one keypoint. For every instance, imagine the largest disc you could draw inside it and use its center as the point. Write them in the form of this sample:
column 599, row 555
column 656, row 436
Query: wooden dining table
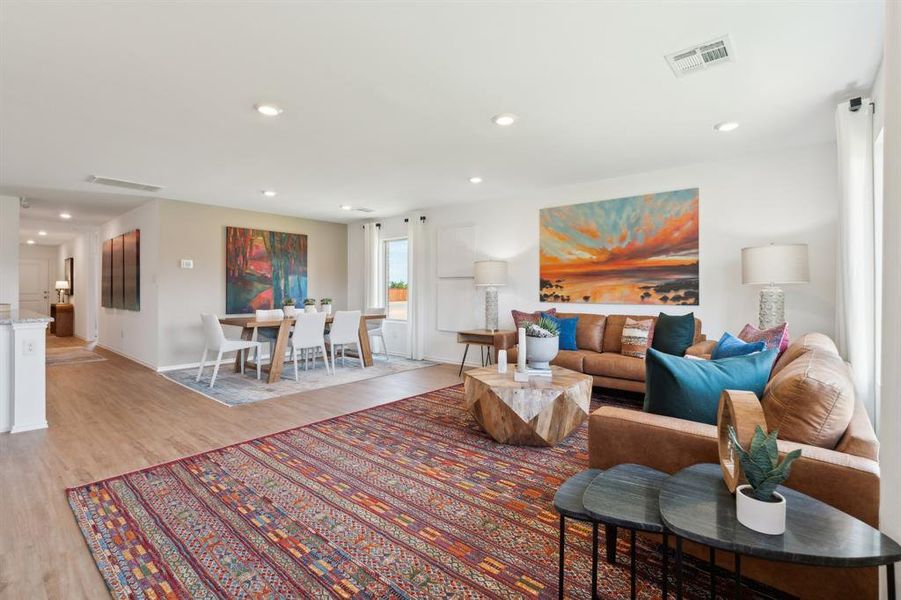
column 249, row 324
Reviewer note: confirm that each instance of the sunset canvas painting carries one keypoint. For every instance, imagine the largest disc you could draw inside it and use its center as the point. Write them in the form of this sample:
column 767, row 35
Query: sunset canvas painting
column 635, row 250
column 263, row 269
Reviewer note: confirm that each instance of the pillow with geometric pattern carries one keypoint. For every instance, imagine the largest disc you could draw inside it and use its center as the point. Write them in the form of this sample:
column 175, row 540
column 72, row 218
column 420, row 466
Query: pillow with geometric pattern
column 638, row 335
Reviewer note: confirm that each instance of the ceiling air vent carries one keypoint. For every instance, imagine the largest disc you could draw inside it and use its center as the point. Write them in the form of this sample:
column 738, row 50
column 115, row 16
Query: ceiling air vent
column 700, row 57
column 364, row 210
column 122, row 183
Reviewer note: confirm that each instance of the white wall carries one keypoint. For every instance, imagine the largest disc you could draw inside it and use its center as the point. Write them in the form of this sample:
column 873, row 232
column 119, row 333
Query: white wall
column 197, row 232
column 786, row 196
column 890, row 414
column 135, row 333
column 84, row 249
column 9, row 251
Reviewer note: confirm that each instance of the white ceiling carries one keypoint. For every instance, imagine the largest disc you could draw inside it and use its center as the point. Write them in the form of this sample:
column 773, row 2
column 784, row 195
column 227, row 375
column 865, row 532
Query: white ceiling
column 388, row 104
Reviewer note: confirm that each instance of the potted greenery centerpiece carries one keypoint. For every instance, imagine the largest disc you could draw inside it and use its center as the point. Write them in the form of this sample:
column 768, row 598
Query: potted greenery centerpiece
column 758, row 505
column 326, row 304
column 289, row 307
column 309, row 305
column 542, row 343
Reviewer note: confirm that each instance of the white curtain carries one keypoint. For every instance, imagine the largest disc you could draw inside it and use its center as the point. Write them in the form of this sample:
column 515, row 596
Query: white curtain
column 372, row 297
column 855, row 278
column 416, row 258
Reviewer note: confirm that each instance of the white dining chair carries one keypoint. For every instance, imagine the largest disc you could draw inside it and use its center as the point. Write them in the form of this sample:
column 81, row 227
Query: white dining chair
column 345, row 330
column 265, row 333
column 308, row 339
column 374, row 327
column 215, row 340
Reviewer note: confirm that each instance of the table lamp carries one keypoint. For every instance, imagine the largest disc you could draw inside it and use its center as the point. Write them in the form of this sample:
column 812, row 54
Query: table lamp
column 769, row 265
column 61, row 286
column 490, row 274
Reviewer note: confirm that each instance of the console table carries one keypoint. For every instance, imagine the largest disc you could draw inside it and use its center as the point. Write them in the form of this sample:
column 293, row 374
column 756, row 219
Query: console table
column 63, row 315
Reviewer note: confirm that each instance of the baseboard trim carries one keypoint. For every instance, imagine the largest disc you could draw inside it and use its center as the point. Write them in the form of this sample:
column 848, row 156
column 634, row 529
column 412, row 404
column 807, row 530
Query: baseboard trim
column 128, row 356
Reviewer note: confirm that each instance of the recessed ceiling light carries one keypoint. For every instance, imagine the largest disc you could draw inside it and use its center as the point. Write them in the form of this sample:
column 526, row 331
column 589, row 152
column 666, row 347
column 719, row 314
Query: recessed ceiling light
column 504, row 119
column 475, row 180
column 269, row 193
column 30, row 242
column 270, row 110
column 346, row 207
column 65, row 215
column 42, row 232
column 726, row 126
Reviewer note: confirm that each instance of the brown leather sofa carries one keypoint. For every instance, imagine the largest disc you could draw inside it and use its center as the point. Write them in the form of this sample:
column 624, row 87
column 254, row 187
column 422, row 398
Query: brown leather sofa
column 599, row 341
column 810, row 396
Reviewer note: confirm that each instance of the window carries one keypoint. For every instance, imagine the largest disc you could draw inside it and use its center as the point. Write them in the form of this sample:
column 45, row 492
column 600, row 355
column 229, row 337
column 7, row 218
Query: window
column 396, row 279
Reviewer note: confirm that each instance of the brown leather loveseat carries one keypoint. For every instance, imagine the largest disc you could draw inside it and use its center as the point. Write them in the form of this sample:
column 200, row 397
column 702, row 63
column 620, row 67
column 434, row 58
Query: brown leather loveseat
column 599, row 341
column 810, row 398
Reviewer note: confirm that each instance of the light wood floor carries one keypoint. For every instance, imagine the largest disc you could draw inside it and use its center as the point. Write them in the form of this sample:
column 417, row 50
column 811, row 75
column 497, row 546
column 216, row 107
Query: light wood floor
column 116, row 416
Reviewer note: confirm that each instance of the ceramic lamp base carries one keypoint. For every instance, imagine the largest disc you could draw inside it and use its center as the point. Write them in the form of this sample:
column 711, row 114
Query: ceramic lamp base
column 491, row 308
column 772, row 307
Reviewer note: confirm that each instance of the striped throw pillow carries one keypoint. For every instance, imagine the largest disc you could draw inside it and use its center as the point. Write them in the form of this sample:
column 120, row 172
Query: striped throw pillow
column 637, row 337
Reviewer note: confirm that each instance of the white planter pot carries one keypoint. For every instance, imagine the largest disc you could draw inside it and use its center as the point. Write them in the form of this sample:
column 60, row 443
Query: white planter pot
column 309, row 308
column 765, row 517
column 541, row 351
column 290, row 311
column 327, row 309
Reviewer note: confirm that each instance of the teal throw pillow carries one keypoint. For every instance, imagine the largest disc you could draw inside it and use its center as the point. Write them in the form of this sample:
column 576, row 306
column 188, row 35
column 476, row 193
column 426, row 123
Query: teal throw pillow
column 566, row 328
column 673, row 334
column 729, row 345
column 690, row 389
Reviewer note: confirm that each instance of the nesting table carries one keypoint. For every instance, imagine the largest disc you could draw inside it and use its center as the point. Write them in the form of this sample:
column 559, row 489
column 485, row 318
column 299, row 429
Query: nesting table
column 694, row 504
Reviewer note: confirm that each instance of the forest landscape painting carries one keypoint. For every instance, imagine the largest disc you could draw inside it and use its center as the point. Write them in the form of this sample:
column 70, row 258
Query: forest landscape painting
column 263, row 269
column 634, row 250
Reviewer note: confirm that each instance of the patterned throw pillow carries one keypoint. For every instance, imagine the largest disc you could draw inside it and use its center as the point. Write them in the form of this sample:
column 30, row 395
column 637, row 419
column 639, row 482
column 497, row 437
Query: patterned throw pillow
column 521, row 319
column 774, row 337
column 638, row 335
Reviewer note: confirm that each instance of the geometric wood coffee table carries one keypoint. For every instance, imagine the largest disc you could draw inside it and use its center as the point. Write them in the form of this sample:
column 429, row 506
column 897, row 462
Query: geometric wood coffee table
column 539, row 412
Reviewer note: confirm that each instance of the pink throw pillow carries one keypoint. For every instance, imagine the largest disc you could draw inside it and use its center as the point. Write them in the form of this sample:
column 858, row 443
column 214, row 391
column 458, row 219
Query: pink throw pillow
column 521, row 319
column 774, row 337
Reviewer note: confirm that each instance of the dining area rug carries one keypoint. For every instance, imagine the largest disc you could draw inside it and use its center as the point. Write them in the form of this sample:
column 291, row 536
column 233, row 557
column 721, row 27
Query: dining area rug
column 235, row 389
column 405, row 500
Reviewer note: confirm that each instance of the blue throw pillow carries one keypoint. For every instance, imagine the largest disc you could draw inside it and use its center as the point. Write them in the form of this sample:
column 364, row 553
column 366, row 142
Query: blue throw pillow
column 566, row 327
column 690, row 389
column 673, row 334
column 729, row 345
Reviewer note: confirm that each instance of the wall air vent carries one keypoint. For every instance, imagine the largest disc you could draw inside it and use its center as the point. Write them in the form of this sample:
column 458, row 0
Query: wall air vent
column 122, row 183
column 700, row 57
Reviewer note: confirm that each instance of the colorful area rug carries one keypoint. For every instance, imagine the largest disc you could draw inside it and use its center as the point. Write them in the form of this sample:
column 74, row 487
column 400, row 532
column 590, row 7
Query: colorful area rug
column 406, row 500
column 234, row 389
column 71, row 356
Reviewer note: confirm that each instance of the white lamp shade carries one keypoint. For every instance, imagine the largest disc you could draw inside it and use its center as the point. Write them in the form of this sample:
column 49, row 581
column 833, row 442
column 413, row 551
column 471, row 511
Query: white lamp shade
column 490, row 272
column 776, row 263
column 62, row 284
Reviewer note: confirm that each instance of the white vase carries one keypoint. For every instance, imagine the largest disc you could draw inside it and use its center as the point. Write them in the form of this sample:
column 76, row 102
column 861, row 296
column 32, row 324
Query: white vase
column 541, row 351
column 501, row 361
column 765, row 517
column 327, row 309
column 290, row 310
column 309, row 308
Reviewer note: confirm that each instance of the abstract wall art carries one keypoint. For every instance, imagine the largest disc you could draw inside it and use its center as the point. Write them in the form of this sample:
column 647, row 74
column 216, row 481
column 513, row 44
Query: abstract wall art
column 121, row 272
column 263, row 269
column 634, row 250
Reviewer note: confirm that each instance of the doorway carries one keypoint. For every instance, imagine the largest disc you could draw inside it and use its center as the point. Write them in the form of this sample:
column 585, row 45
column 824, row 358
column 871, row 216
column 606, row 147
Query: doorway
column 34, row 285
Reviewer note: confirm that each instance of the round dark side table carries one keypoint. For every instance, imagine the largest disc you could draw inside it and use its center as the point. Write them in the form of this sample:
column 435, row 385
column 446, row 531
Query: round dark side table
column 695, row 505
column 627, row 496
column 568, row 502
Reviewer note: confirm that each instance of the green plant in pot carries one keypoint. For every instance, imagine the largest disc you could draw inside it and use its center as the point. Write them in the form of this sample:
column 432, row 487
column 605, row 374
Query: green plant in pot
column 309, row 305
column 542, row 343
column 758, row 505
column 326, row 304
column 289, row 307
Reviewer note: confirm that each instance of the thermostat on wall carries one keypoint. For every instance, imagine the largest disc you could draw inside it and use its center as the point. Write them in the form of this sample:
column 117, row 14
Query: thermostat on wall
column 187, row 263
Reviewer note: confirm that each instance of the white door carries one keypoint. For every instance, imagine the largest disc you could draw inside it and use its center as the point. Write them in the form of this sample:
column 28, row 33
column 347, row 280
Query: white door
column 34, row 285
